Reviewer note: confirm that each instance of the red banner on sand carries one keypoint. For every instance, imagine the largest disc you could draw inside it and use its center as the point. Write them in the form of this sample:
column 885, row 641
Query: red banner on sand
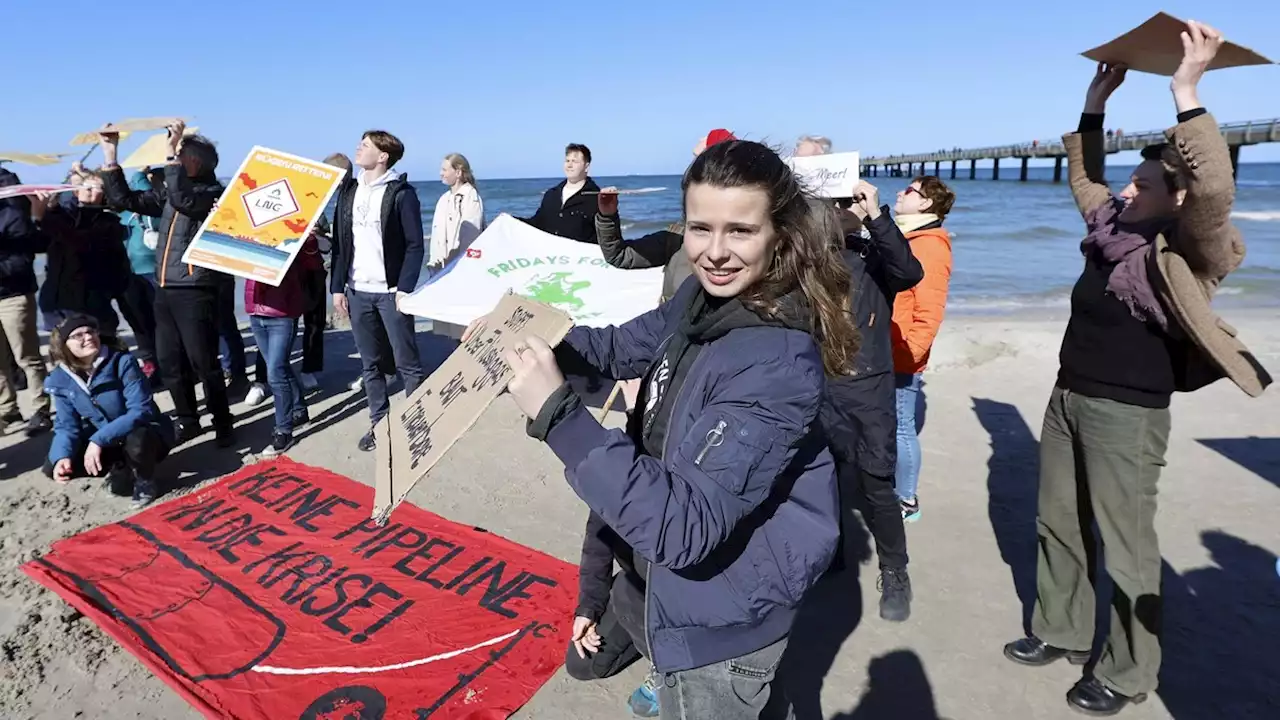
column 271, row 594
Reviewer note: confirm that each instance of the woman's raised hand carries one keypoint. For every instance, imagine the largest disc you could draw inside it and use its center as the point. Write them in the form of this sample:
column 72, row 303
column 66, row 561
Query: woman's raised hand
column 1105, row 81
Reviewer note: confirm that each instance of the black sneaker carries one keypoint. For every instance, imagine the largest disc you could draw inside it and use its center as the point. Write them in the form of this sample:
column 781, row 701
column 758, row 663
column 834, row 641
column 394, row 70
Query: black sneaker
column 368, row 443
column 144, row 493
column 120, row 481
column 300, row 418
column 10, row 420
column 226, row 436
column 280, row 442
column 39, row 423
column 895, row 595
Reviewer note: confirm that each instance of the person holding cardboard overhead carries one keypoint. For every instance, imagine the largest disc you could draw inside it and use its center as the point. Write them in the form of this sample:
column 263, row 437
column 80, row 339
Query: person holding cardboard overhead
column 1141, row 329
column 187, row 298
column 719, row 499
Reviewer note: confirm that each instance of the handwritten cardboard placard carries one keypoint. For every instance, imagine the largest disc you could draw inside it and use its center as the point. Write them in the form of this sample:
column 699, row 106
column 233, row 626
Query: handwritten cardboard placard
column 1155, row 47
column 828, row 176
column 417, row 432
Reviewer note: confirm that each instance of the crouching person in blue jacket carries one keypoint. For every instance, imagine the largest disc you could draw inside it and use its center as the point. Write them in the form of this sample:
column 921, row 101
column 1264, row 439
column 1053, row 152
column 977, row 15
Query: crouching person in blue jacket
column 106, row 420
column 719, row 500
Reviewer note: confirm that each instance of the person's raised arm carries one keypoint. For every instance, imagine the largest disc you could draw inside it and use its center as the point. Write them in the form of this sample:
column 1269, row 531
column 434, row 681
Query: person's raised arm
column 902, row 271
column 119, row 196
column 651, row 251
column 1086, row 148
column 1206, row 239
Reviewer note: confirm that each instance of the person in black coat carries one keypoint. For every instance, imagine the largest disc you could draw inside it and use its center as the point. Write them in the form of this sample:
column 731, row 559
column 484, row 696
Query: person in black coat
column 569, row 209
column 860, row 414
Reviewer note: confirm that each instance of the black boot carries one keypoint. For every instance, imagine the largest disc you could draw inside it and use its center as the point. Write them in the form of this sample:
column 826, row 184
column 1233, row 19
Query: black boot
column 1091, row 697
column 895, row 595
column 1035, row 652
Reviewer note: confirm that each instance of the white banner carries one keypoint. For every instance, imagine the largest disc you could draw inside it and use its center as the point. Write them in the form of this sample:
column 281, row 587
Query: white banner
column 511, row 255
column 828, row 176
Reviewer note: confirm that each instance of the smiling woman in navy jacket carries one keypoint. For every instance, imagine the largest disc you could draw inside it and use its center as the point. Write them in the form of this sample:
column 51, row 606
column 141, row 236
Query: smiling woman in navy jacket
column 106, row 420
column 719, row 500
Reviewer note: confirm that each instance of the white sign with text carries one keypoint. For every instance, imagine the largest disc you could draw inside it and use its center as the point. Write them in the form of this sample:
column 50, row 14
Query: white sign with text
column 828, row 176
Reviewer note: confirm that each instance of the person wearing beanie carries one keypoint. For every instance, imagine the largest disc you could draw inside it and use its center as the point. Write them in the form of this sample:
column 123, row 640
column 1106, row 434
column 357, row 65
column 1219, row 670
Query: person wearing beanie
column 106, row 421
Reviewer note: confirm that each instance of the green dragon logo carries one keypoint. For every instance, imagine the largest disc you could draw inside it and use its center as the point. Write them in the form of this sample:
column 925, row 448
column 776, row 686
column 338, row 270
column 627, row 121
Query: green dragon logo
column 558, row 290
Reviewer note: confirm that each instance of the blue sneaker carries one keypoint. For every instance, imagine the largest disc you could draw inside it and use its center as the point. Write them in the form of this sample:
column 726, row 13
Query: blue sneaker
column 644, row 701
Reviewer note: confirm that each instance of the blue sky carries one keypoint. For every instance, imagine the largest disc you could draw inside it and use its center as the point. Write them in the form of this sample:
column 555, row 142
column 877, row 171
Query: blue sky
column 508, row 83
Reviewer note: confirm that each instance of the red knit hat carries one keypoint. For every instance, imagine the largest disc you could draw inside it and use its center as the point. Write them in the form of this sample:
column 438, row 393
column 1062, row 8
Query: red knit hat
column 719, row 135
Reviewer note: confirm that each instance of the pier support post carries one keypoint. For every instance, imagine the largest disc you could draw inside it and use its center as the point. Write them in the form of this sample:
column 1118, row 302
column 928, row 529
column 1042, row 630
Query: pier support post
column 973, row 169
column 1022, row 176
column 953, row 169
column 937, row 165
column 1235, row 161
column 1057, row 169
column 995, row 168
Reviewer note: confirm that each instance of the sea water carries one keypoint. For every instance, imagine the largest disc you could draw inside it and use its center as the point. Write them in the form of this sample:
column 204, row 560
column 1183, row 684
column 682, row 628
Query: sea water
column 1016, row 244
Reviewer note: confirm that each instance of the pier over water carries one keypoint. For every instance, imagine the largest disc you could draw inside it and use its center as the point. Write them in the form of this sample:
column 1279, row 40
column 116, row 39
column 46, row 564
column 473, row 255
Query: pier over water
column 1237, row 135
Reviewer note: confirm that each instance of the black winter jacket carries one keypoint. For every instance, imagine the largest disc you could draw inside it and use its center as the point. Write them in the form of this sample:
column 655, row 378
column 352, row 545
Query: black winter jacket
column 182, row 206
column 20, row 241
column 403, row 248
column 860, row 415
column 86, row 265
column 575, row 219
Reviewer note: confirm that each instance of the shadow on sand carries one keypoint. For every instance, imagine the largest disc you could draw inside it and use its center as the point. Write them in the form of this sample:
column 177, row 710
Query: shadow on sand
column 1219, row 627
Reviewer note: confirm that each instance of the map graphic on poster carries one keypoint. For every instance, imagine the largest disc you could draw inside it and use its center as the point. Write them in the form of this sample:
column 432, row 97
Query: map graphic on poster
column 271, row 594
column 261, row 221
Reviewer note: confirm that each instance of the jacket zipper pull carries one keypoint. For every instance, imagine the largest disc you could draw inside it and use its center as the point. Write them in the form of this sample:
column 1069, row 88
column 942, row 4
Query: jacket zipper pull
column 715, row 438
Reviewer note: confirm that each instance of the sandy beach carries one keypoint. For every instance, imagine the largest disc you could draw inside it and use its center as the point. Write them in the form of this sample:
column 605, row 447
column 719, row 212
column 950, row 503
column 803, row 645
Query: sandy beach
column 972, row 553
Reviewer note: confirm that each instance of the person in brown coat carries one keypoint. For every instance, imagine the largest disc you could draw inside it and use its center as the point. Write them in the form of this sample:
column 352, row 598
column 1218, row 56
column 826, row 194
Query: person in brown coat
column 1141, row 329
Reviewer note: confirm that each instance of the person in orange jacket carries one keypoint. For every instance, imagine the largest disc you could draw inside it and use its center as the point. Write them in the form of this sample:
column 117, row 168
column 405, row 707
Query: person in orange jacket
column 917, row 315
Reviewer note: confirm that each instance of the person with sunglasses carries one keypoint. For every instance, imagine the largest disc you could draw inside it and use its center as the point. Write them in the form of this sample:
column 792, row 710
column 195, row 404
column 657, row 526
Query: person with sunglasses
column 858, row 414
column 106, row 420
column 919, row 212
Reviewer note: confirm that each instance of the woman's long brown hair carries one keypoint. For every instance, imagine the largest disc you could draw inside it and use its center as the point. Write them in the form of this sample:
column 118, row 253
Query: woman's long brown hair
column 807, row 254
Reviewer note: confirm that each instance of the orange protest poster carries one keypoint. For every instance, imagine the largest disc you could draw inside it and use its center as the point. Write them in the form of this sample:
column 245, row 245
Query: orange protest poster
column 260, row 222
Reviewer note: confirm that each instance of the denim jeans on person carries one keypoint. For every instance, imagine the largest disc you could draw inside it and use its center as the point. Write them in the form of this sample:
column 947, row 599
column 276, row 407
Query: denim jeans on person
column 372, row 315
column 736, row 689
column 275, row 337
column 910, row 398
column 230, row 342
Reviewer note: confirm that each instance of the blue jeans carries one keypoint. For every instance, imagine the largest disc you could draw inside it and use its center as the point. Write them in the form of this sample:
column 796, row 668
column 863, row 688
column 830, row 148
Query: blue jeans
column 910, row 399
column 275, row 344
column 374, row 317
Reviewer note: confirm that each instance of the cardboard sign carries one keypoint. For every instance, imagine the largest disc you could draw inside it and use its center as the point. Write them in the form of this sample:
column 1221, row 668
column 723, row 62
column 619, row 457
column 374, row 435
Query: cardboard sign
column 38, row 159
column 154, row 151
column 417, row 432
column 262, row 219
column 270, row 594
column 1155, row 47
column 828, row 176
column 126, row 128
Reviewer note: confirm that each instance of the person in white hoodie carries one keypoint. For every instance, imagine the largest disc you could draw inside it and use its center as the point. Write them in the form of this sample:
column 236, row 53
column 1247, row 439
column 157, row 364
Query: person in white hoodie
column 457, row 222
column 378, row 251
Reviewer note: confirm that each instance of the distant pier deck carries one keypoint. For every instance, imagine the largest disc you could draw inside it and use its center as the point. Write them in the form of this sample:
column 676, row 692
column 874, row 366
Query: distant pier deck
column 1237, row 135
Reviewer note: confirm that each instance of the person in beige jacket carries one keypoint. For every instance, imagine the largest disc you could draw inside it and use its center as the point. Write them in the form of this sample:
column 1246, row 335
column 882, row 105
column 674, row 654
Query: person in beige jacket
column 1141, row 329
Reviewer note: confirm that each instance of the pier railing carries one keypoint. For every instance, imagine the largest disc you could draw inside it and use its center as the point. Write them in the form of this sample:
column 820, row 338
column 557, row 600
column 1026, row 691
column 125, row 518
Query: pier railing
column 1236, row 134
